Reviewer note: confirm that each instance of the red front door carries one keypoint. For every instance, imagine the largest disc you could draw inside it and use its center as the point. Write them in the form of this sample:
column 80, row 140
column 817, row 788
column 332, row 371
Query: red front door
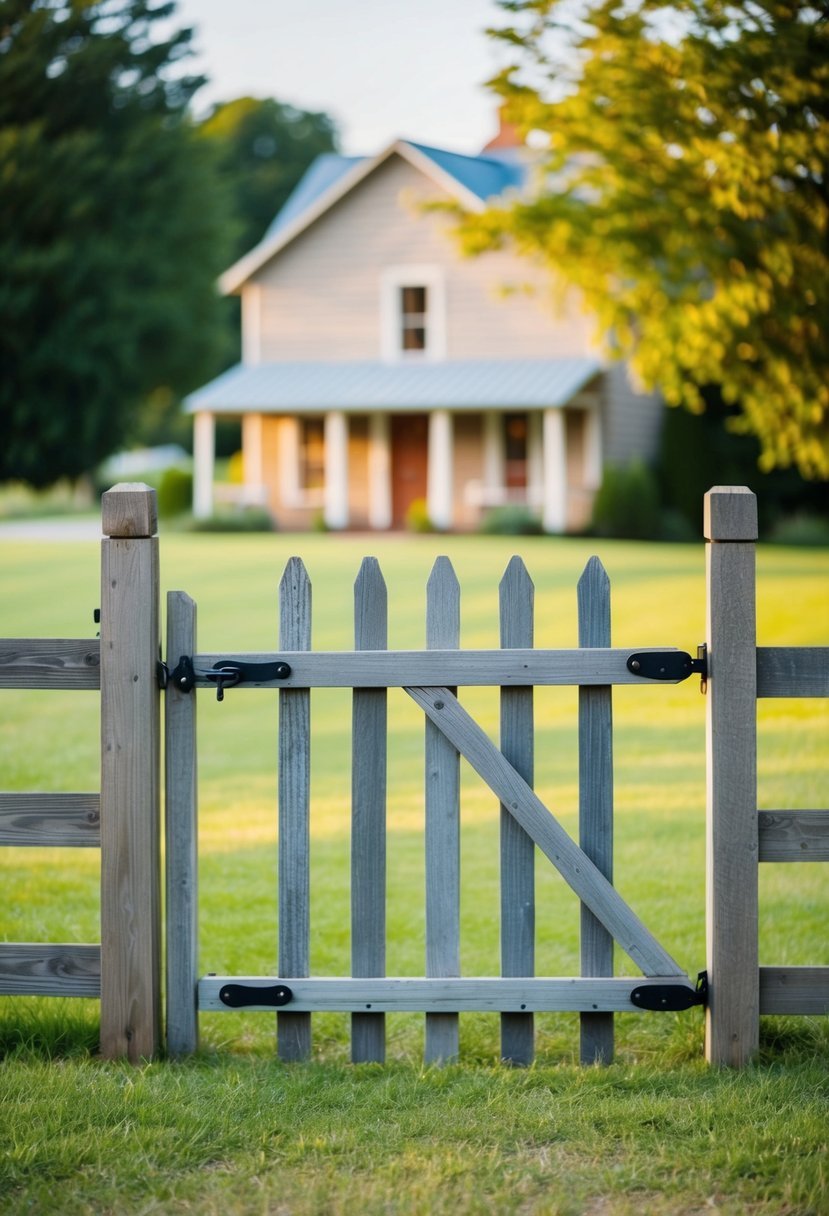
column 409, row 459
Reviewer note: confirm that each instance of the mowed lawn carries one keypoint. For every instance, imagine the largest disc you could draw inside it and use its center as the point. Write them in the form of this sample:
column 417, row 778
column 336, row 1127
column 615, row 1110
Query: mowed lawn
column 234, row 1130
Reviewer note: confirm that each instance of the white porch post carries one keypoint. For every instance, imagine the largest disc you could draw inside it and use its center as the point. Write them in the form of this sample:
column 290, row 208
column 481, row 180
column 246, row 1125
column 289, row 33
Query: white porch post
column 554, row 512
column 204, row 458
column 379, row 471
column 493, row 458
column 439, row 470
column 336, row 470
column 252, row 457
column 535, row 461
column 592, row 449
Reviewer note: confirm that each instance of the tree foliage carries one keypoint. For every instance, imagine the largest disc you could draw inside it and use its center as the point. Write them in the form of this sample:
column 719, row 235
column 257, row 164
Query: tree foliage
column 683, row 151
column 264, row 146
column 111, row 230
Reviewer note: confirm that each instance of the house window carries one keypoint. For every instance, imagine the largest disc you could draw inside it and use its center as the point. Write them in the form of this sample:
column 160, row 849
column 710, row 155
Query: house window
column 413, row 306
column 412, row 312
column 311, row 454
column 515, row 451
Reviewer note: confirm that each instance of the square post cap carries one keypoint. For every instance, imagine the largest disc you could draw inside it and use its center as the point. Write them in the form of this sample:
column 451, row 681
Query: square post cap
column 730, row 514
column 129, row 510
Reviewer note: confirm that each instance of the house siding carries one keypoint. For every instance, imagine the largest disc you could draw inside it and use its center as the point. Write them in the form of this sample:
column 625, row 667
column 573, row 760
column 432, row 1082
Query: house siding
column 320, row 298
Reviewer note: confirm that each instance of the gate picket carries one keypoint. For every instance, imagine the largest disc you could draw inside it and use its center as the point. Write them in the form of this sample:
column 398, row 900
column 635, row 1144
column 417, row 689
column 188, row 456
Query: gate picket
column 294, row 795
column 368, row 813
column 516, row 603
column 595, row 802
column 442, row 765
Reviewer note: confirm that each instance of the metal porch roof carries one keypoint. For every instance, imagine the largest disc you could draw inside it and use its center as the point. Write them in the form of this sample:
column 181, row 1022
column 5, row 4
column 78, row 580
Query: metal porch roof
column 356, row 387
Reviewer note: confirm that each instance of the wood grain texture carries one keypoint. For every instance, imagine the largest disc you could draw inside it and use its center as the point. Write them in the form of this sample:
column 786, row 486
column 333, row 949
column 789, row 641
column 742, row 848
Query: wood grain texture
column 577, row 869
column 467, row 995
column 794, row 835
column 730, row 514
column 60, row 820
column 452, row 668
column 732, row 1015
column 516, row 596
column 793, row 671
column 50, row 663
column 129, row 510
column 368, row 813
column 442, row 824
column 181, row 826
column 796, row 990
column 36, row 969
column 294, row 795
column 130, row 797
column 595, row 802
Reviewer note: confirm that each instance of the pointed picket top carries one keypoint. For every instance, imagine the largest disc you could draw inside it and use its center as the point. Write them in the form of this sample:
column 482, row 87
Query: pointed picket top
column 370, row 607
column 295, row 606
column 443, row 606
column 516, row 597
column 593, row 593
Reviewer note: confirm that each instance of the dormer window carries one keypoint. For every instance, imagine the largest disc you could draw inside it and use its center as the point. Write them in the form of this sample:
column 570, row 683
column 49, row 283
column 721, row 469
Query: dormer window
column 412, row 313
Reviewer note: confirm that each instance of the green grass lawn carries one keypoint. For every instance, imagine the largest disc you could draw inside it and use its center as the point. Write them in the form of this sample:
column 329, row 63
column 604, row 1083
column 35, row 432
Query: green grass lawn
column 234, row 1130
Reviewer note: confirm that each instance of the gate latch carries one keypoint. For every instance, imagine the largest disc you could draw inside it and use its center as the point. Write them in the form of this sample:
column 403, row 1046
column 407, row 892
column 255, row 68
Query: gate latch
column 226, row 674
column 671, row 998
column 669, row 664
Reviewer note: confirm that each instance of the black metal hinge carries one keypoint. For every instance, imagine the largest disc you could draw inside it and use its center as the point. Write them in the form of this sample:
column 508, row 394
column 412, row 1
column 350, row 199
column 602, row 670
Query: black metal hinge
column 669, row 664
column 239, row 996
column 671, row 998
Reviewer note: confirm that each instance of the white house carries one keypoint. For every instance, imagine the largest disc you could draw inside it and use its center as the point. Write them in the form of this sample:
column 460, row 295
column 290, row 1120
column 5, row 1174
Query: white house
column 382, row 369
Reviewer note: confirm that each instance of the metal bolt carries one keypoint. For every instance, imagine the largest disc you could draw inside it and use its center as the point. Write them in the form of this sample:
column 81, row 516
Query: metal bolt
column 635, row 665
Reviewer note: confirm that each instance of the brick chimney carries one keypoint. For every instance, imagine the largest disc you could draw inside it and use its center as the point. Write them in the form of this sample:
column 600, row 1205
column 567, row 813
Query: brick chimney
column 507, row 136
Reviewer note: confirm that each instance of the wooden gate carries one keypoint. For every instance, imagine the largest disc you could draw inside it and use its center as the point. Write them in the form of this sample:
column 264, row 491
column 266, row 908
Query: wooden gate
column 431, row 677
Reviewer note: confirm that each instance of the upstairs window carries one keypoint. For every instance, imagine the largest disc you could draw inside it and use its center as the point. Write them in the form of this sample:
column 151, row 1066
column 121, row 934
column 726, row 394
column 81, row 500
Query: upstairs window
column 414, row 316
column 412, row 312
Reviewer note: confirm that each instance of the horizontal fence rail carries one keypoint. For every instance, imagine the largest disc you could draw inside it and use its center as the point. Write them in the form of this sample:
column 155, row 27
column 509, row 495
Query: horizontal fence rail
column 468, row 668
column 794, row 835
column 793, row 671
column 50, row 820
column 794, row 990
column 50, row 663
column 50, row 969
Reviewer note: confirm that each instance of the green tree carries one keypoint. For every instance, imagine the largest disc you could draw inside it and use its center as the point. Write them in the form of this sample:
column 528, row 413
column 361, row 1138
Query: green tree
column 111, row 230
column 683, row 150
column 264, row 147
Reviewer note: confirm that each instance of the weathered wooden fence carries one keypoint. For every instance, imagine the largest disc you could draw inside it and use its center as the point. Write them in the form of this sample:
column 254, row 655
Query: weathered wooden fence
column 126, row 968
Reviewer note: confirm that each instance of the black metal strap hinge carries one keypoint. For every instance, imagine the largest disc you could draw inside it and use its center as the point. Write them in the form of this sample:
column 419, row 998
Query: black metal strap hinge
column 669, row 664
column 240, row 996
column 226, row 674
column 671, row 998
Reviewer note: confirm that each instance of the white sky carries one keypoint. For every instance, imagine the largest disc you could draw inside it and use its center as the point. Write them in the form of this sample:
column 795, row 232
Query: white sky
column 381, row 68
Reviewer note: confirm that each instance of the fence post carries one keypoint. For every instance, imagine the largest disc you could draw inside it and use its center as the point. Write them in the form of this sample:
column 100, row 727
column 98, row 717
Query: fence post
column 732, row 1019
column 130, row 848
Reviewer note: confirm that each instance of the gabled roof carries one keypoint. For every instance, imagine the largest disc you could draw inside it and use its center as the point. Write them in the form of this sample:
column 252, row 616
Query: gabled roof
column 472, row 180
column 362, row 385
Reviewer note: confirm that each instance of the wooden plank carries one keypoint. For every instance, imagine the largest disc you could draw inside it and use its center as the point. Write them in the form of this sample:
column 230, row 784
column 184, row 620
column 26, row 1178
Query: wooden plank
column 130, row 792
column 294, row 795
column 50, row 663
column 181, row 826
column 798, row 990
column 595, row 802
column 129, row 509
column 453, row 668
column 368, row 813
column 794, row 835
column 54, row 820
column 36, row 969
column 467, row 995
column 732, row 1015
column 443, row 896
column 516, row 602
column 793, row 671
column 578, row 870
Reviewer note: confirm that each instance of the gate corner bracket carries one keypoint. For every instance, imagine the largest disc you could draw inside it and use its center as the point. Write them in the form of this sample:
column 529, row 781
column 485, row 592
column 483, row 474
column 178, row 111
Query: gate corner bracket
column 671, row 998
column 669, row 665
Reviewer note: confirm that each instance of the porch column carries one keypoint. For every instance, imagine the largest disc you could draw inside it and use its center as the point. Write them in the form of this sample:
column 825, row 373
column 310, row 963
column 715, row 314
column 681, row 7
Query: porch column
column 439, row 470
column 493, row 458
column 535, row 461
column 252, row 457
column 592, row 449
column 204, row 458
column 554, row 511
column 336, row 470
column 379, row 471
